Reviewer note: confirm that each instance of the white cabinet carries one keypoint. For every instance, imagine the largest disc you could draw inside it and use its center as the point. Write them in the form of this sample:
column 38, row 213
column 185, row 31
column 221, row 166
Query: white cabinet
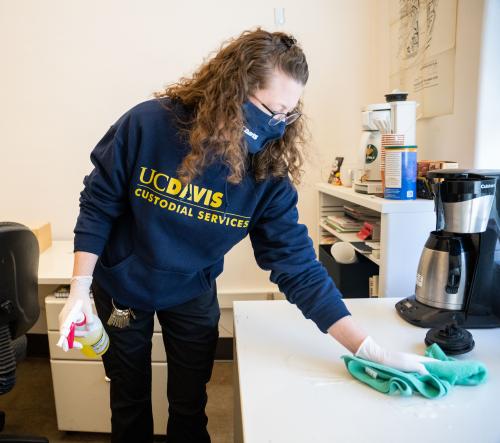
column 405, row 226
column 80, row 389
column 82, row 396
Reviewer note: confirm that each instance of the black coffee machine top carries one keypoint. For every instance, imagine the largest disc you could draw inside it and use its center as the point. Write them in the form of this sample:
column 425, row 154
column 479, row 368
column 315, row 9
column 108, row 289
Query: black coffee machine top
column 467, row 204
column 462, row 189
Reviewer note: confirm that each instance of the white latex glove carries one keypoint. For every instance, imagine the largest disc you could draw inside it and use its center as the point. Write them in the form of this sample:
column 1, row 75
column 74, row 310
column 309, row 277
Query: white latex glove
column 78, row 302
column 370, row 350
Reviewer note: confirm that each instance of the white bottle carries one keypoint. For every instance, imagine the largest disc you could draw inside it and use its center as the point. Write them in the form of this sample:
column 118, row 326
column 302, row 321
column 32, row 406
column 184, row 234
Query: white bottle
column 92, row 336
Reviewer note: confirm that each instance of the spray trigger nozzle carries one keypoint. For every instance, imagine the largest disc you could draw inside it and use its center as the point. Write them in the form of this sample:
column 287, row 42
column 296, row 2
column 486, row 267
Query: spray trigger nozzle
column 71, row 335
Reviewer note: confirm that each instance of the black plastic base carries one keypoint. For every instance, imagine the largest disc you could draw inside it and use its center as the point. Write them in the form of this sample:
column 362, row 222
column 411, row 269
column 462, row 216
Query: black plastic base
column 425, row 316
column 451, row 339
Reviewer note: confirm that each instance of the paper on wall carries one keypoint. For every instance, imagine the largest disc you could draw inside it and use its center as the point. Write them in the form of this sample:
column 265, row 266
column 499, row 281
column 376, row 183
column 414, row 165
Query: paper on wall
column 423, row 52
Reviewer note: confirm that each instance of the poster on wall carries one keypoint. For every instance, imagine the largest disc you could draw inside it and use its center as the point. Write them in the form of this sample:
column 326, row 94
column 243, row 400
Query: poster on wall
column 422, row 34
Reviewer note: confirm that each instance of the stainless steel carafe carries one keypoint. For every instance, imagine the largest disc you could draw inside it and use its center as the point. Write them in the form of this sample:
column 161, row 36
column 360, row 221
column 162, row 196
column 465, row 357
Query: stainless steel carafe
column 442, row 273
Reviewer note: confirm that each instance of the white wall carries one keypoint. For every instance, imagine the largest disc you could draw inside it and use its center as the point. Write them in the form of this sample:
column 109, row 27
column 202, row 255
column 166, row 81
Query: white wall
column 452, row 137
column 487, row 152
column 70, row 69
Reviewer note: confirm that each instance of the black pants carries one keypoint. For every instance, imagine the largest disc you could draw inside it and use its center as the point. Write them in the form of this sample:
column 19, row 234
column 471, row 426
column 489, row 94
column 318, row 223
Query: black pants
column 190, row 333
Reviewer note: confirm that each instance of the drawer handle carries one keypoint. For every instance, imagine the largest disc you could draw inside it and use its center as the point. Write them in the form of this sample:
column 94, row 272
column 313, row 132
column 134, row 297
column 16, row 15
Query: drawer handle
column 107, row 379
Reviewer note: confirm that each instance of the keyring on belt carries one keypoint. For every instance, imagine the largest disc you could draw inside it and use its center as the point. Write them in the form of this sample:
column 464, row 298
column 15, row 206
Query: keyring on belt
column 120, row 318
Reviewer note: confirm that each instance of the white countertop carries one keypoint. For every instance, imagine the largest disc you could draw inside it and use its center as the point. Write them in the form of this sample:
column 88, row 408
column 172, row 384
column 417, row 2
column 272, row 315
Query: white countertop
column 379, row 204
column 55, row 266
column 295, row 388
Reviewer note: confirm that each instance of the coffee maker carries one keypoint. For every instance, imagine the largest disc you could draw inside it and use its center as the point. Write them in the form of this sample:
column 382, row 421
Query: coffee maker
column 396, row 116
column 458, row 276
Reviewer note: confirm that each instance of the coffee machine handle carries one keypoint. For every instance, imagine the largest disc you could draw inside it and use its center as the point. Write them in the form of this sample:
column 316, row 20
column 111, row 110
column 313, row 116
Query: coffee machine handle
column 438, row 205
column 454, row 267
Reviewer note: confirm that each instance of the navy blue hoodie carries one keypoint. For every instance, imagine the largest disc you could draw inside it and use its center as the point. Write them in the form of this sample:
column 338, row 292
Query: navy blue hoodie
column 161, row 243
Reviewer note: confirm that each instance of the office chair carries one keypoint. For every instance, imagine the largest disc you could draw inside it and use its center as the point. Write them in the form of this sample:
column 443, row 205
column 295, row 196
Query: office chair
column 19, row 308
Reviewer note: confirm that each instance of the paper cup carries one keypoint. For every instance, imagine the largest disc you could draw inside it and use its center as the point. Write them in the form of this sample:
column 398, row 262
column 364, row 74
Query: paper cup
column 388, row 140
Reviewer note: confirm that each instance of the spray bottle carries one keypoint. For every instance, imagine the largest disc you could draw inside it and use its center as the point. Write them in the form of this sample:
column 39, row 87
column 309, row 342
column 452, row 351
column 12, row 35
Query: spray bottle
column 90, row 338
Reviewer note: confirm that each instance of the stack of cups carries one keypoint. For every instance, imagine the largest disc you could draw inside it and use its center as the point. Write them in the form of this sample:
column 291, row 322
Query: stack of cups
column 388, row 140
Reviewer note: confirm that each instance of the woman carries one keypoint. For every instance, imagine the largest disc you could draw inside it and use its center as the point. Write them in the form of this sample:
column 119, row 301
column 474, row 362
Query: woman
column 178, row 181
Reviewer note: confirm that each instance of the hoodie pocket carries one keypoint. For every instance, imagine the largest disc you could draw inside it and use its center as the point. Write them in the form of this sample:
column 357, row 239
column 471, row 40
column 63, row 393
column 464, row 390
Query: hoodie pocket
column 143, row 285
column 117, row 266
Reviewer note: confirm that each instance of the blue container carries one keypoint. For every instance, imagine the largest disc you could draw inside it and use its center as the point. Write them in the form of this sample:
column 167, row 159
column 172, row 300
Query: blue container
column 400, row 172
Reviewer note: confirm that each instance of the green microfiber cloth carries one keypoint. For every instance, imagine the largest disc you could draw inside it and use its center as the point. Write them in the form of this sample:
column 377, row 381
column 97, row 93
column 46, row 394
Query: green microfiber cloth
column 443, row 374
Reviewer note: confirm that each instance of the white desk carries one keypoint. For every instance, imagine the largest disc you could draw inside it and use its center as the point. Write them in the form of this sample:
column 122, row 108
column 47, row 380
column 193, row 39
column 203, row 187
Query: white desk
column 56, row 268
column 56, row 264
column 291, row 385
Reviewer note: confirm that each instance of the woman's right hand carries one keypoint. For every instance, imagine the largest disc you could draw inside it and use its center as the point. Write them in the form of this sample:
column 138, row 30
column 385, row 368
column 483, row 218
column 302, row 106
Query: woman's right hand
column 78, row 302
column 403, row 361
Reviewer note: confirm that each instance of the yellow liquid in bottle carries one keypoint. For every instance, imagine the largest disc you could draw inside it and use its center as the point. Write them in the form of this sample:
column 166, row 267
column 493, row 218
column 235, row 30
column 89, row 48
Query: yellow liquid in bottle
column 96, row 341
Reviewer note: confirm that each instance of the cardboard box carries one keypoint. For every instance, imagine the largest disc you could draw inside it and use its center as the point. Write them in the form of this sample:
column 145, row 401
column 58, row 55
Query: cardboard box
column 43, row 233
column 424, row 166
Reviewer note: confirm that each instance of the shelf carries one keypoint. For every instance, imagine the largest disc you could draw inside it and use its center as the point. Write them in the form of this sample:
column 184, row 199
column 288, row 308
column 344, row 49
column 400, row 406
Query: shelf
column 344, row 236
column 375, row 203
column 404, row 229
column 348, row 237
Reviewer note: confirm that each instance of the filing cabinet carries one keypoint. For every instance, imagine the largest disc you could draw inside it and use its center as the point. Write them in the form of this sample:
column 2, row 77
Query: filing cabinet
column 81, row 390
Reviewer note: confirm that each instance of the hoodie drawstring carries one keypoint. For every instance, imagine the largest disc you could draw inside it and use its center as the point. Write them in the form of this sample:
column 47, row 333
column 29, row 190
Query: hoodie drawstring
column 226, row 196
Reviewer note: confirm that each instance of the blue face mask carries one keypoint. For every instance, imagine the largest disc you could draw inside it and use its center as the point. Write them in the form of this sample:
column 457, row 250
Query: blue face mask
column 257, row 130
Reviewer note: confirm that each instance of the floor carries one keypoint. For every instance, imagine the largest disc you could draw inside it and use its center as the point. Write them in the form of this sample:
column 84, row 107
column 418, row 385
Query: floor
column 30, row 408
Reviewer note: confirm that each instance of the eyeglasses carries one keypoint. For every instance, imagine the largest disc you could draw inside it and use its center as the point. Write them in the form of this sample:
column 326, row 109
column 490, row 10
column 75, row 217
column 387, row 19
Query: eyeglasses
column 278, row 117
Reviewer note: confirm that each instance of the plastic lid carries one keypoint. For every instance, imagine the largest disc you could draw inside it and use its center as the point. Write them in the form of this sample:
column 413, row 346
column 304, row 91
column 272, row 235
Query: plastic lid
column 396, row 96
column 477, row 174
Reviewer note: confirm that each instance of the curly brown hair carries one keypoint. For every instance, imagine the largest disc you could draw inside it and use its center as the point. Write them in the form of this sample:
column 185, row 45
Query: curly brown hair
column 216, row 92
